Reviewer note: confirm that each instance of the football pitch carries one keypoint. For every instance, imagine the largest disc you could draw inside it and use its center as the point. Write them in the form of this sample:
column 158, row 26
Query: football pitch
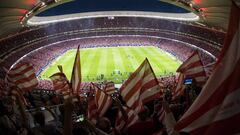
column 113, row 63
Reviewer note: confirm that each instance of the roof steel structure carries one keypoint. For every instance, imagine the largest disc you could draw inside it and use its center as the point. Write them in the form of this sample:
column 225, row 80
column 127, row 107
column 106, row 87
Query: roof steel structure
column 14, row 14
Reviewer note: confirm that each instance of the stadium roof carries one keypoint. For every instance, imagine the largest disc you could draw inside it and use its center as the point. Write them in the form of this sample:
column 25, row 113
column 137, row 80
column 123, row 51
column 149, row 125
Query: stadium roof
column 14, row 14
column 11, row 13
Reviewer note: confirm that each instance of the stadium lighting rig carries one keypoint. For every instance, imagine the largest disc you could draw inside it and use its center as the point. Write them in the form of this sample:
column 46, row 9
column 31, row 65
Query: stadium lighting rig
column 39, row 7
column 31, row 12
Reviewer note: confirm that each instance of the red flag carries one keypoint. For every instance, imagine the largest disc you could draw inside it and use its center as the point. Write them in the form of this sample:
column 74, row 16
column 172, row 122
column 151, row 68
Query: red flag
column 216, row 110
column 76, row 74
column 22, row 76
column 61, row 84
column 103, row 101
column 141, row 87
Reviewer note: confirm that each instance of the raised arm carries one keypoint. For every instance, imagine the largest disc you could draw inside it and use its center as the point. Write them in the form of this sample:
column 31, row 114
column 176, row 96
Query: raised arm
column 67, row 125
column 22, row 110
column 120, row 107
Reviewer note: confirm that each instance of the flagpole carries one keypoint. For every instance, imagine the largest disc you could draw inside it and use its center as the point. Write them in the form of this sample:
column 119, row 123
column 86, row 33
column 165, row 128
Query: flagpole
column 76, row 73
column 154, row 76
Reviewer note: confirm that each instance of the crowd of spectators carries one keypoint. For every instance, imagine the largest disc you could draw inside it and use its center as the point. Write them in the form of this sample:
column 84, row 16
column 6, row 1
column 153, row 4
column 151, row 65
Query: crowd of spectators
column 183, row 51
column 43, row 57
column 47, row 113
column 14, row 47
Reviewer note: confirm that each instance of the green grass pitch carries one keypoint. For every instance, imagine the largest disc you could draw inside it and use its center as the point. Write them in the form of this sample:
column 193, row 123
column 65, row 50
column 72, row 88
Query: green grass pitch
column 113, row 63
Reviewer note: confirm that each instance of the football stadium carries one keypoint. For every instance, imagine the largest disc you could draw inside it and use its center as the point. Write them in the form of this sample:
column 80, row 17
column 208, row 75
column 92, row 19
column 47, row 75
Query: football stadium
column 115, row 67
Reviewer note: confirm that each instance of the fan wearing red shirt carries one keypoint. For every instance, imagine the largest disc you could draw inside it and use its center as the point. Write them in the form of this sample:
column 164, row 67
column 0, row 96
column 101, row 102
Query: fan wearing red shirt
column 144, row 126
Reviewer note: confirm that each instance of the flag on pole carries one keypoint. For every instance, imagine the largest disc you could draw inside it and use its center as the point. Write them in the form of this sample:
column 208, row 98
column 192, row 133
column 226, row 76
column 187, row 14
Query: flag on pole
column 22, row 76
column 76, row 74
column 142, row 86
column 61, row 84
column 216, row 110
column 103, row 101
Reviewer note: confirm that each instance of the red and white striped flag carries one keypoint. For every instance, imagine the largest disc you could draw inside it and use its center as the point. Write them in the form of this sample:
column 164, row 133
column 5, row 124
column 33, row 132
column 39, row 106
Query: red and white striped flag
column 142, row 86
column 120, row 120
column 191, row 68
column 179, row 88
column 76, row 74
column 103, row 101
column 92, row 110
column 216, row 110
column 61, row 84
column 22, row 76
column 109, row 88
